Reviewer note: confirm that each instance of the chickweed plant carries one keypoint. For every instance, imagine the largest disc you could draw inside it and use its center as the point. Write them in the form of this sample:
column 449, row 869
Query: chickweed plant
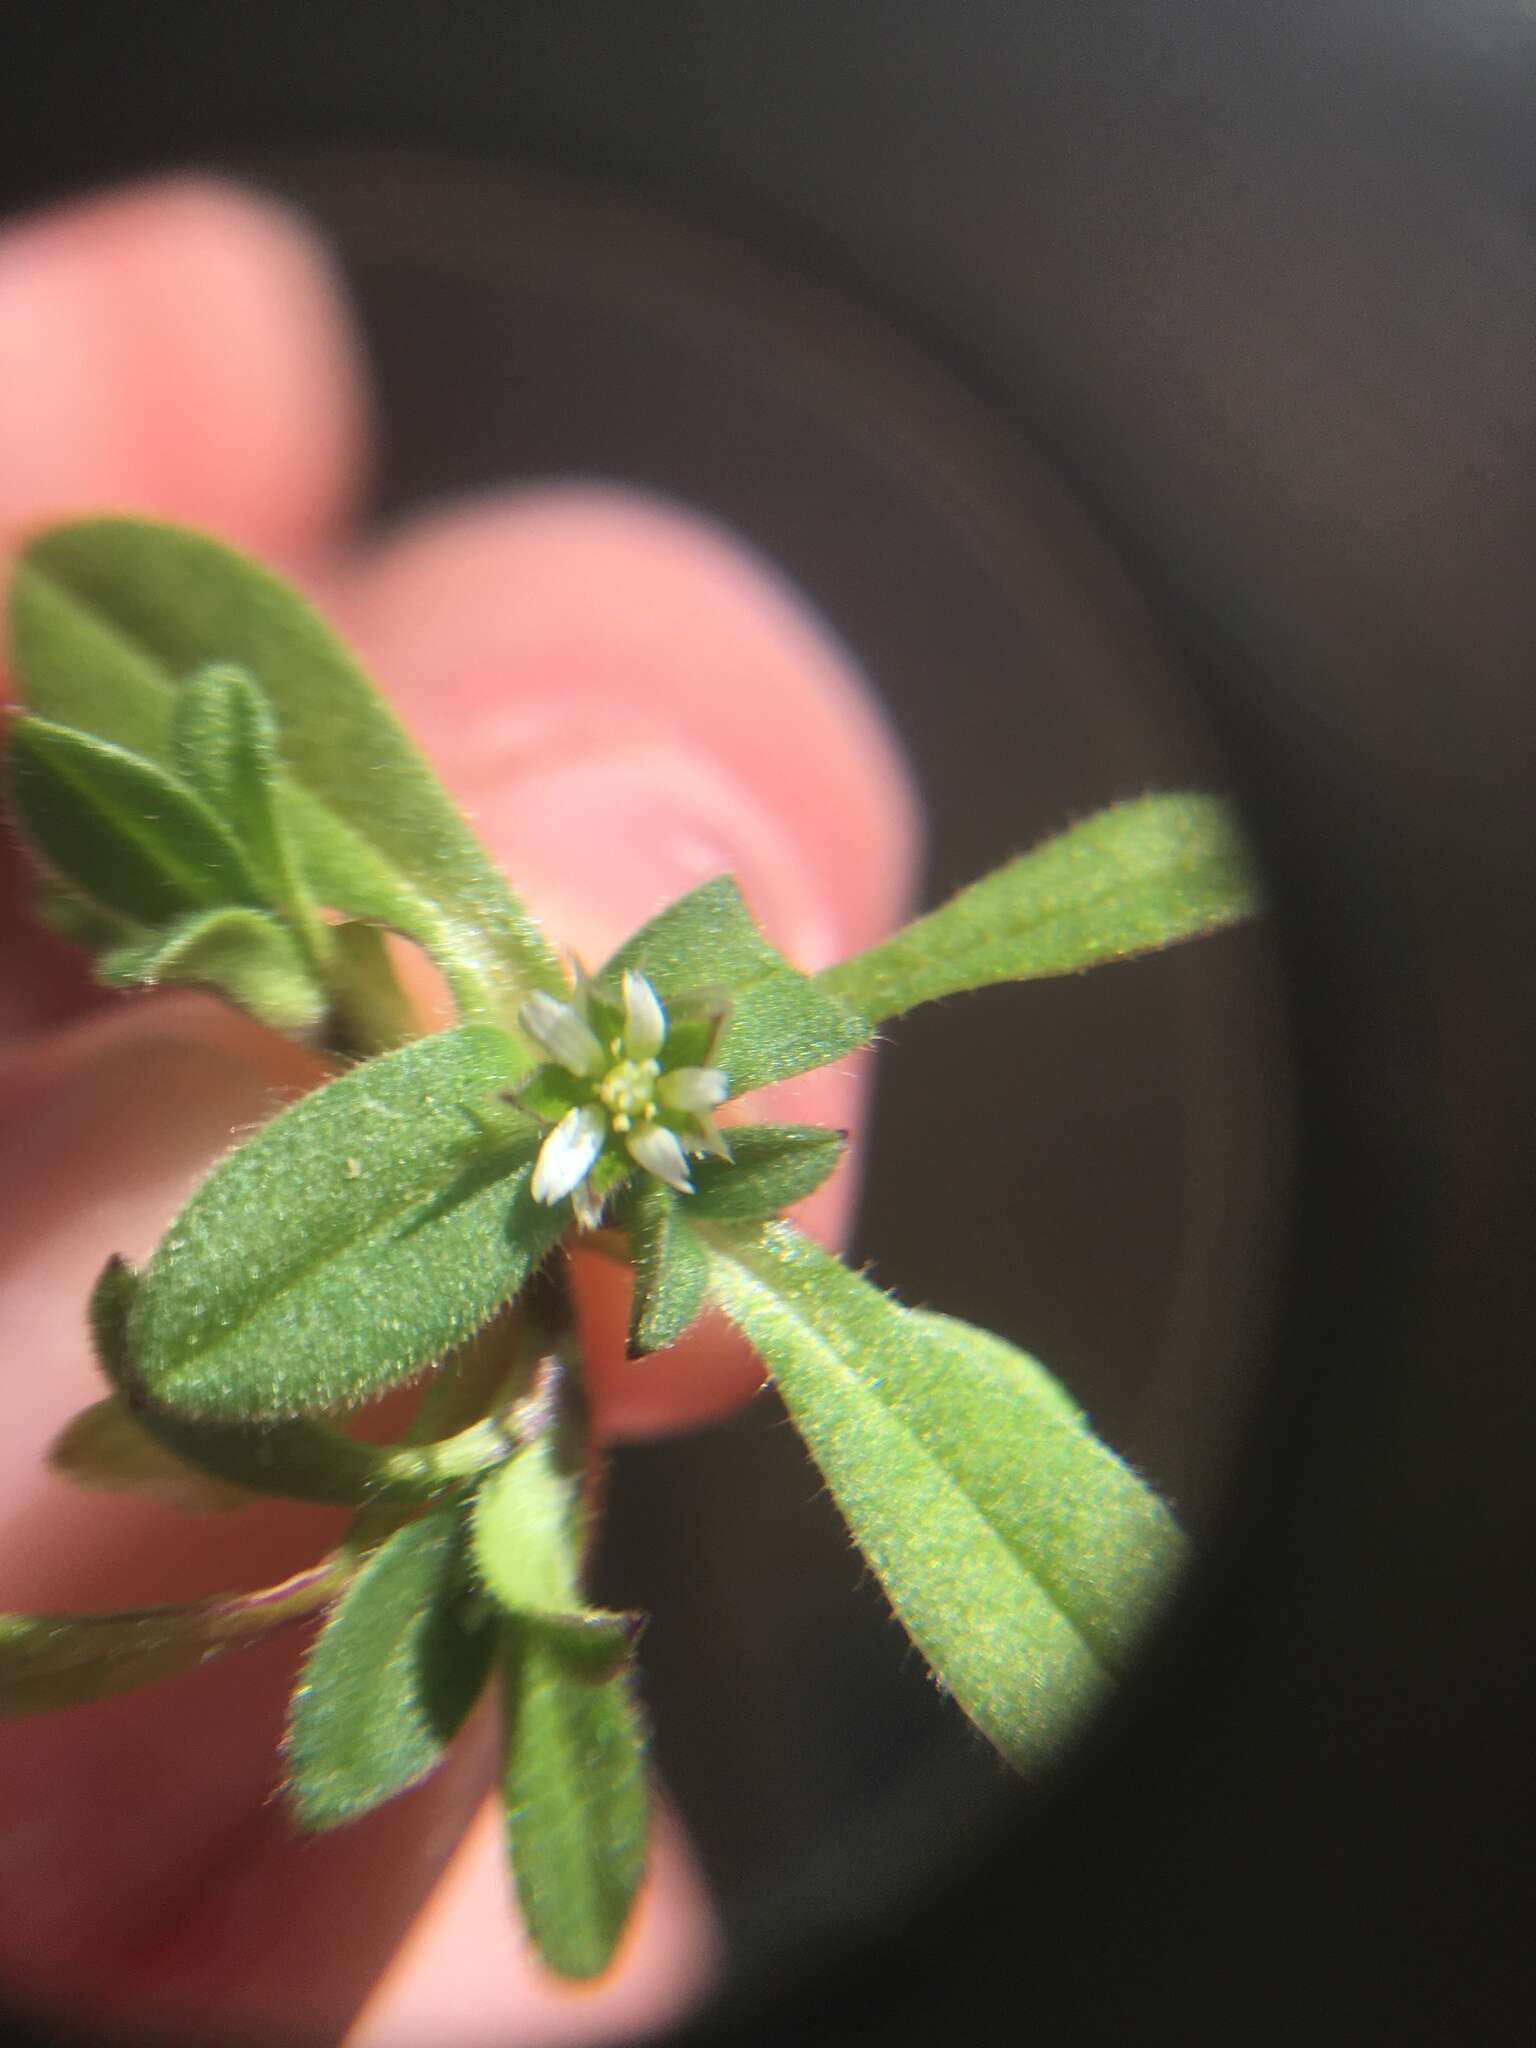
column 216, row 795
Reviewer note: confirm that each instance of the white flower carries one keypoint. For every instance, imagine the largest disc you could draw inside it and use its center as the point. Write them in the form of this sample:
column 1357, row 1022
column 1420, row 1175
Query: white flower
column 629, row 1099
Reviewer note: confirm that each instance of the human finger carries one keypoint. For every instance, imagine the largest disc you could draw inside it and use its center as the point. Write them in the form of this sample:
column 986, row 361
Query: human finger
column 182, row 349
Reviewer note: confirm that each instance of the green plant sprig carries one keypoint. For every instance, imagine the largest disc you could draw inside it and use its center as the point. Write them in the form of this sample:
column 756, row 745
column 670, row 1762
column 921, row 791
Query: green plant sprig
column 217, row 796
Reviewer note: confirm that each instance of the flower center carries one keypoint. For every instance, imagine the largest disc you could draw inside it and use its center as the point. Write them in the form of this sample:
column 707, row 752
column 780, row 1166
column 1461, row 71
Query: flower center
column 628, row 1091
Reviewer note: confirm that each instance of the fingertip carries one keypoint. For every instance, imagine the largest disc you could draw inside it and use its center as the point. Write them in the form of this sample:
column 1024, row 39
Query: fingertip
column 181, row 349
column 629, row 700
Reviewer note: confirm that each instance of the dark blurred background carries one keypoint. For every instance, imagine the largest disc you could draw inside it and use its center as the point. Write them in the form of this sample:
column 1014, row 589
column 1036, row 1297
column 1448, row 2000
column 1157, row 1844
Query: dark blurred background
column 1145, row 397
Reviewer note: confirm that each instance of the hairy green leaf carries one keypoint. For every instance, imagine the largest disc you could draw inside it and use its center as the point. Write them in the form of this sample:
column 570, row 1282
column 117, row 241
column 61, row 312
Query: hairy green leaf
column 79, row 920
column 530, row 1525
column 389, row 1679
column 577, row 1797
column 670, row 1267
column 1019, row 1552
column 771, row 1166
column 244, row 955
column 133, row 1443
column 109, row 616
column 64, row 1660
column 117, row 828
column 779, row 1022
column 353, row 1240
column 224, row 741
column 1130, row 879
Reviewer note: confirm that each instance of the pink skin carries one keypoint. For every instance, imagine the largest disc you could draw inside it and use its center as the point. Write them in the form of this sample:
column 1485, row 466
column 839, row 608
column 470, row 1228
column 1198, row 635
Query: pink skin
column 627, row 703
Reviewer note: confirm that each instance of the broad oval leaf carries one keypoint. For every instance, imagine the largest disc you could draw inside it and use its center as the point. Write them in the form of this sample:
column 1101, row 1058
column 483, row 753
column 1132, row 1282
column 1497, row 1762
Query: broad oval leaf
column 1022, row 1556
column 1128, row 880
column 110, row 615
column 389, row 1679
column 577, row 1796
column 350, row 1242
column 119, row 829
column 130, row 1444
column 780, row 1021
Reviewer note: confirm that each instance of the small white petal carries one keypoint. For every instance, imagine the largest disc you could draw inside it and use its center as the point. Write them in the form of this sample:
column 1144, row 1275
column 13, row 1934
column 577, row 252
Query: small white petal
column 692, row 1089
column 568, row 1153
column 556, row 1029
column 645, row 1021
column 656, row 1149
column 587, row 1204
column 708, row 1137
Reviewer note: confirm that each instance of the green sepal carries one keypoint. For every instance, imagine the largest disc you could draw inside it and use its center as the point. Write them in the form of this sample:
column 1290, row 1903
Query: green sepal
column 65, row 1660
column 244, row 955
column 109, row 615
column 390, row 1677
column 1130, row 879
column 350, row 1242
column 549, row 1092
column 779, row 1022
column 577, row 1795
column 146, row 1447
column 120, row 830
column 1021, row 1555
column 671, row 1267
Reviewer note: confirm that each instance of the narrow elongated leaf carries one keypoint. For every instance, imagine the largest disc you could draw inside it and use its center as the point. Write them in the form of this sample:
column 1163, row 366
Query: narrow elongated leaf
column 389, row 1679
column 1130, row 879
column 577, row 1797
column 244, row 955
column 129, row 1443
column 114, row 826
column 224, row 741
column 1021, row 1555
column 354, row 1239
column 780, row 1022
column 670, row 1266
column 64, row 1660
column 109, row 615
